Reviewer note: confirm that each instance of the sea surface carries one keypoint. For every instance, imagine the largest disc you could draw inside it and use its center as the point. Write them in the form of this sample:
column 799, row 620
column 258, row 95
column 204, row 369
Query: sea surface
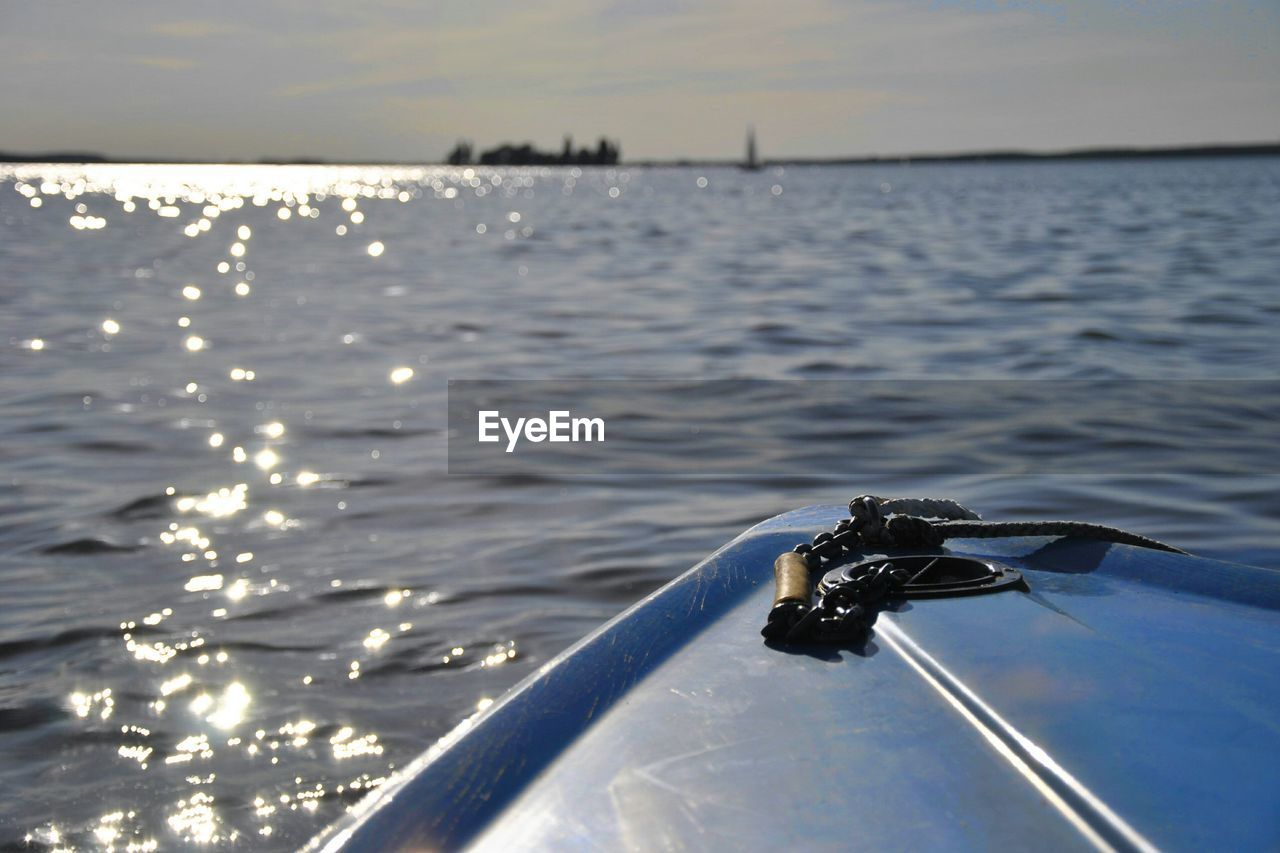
column 239, row 584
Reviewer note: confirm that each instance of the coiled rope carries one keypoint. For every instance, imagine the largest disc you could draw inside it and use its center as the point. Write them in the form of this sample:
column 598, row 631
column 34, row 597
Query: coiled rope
column 892, row 523
column 906, row 522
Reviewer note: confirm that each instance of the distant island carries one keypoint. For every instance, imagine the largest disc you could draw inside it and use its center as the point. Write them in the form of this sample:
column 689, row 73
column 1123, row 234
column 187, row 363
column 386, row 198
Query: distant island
column 608, row 153
column 55, row 157
column 605, row 153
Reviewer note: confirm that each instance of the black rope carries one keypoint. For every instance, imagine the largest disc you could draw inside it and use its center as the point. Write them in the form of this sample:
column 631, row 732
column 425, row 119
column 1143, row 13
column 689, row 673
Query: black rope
column 843, row 614
column 876, row 522
column 1001, row 529
column 868, row 525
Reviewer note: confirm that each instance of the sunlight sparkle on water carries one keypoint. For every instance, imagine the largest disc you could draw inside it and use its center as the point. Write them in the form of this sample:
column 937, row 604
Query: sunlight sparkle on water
column 204, row 583
column 346, row 744
column 176, row 684
column 100, row 704
column 231, row 706
column 217, row 504
column 196, row 821
column 196, row 200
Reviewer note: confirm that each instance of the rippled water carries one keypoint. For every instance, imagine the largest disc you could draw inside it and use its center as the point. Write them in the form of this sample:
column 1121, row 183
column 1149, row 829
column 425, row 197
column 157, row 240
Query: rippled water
column 239, row 587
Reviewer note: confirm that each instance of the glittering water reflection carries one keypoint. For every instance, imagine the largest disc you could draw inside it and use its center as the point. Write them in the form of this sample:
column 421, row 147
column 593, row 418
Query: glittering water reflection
column 182, row 730
column 229, row 411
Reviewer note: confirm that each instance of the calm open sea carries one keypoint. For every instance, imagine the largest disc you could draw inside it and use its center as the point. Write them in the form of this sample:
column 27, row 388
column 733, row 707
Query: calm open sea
column 237, row 585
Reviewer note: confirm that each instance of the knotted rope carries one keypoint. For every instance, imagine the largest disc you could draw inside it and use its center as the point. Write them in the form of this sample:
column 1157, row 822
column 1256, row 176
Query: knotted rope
column 915, row 522
column 894, row 523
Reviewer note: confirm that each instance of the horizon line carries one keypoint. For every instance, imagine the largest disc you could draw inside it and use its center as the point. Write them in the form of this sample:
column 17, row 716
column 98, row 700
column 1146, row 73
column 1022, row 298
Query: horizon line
column 990, row 155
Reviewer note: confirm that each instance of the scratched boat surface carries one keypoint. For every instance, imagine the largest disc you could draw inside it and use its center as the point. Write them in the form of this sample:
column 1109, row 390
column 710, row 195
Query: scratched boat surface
column 1130, row 699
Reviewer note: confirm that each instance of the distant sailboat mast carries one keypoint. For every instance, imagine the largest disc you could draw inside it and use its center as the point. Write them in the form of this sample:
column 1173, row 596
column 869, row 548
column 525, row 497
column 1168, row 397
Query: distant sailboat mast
column 751, row 163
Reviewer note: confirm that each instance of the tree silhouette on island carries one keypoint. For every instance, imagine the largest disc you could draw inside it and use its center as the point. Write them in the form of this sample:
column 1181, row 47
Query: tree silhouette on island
column 606, row 153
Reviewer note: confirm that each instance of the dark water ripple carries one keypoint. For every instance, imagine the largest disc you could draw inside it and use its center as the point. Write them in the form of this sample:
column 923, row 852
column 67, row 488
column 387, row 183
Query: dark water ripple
column 185, row 661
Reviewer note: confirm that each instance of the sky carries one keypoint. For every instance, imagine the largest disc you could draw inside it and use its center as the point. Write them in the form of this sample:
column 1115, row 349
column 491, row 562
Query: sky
column 402, row 80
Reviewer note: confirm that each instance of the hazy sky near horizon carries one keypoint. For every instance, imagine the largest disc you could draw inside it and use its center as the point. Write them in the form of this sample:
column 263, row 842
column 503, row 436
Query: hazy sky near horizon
column 403, row 79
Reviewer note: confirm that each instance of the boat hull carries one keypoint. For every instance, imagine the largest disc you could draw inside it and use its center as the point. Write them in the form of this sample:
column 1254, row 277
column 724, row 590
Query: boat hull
column 1130, row 699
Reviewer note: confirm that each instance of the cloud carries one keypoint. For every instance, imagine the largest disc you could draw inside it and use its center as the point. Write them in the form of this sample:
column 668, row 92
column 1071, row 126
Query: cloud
column 193, row 29
column 421, row 81
column 667, row 77
column 168, row 63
